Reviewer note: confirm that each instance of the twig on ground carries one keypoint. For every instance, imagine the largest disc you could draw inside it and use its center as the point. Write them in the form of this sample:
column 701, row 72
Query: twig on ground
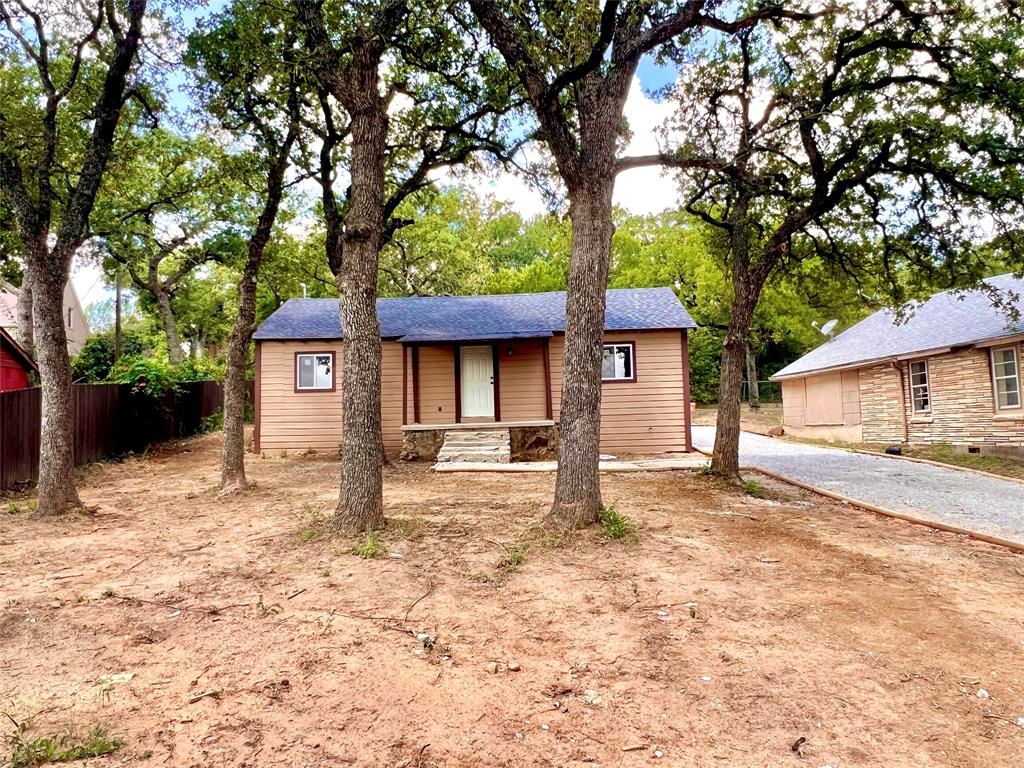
column 296, row 594
column 202, row 695
column 430, row 588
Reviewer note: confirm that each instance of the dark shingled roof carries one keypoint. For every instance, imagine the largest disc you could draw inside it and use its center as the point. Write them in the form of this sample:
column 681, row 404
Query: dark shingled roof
column 466, row 318
column 947, row 319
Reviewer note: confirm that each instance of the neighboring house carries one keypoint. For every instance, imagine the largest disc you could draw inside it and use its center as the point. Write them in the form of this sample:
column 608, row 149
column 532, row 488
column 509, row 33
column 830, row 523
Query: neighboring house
column 15, row 364
column 951, row 373
column 456, row 363
column 75, row 325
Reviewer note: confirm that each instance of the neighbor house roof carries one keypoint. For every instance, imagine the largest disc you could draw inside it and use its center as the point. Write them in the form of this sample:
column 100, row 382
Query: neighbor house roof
column 468, row 318
column 14, row 348
column 947, row 319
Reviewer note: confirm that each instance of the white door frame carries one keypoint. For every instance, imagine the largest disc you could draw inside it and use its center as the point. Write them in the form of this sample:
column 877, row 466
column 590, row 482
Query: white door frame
column 477, row 394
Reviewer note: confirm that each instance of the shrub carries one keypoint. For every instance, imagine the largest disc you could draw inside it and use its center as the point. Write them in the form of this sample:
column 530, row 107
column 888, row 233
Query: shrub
column 147, row 376
column 615, row 525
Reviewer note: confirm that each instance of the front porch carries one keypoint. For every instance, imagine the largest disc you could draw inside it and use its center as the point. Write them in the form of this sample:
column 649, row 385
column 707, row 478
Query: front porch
column 456, row 384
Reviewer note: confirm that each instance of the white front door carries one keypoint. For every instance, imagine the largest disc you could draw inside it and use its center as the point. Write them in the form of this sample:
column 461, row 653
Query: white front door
column 477, row 382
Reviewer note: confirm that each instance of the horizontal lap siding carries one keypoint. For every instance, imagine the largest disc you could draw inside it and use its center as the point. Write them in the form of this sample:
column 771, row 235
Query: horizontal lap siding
column 291, row 420
column 645, row 416
column 437, row 385
column 522, row 381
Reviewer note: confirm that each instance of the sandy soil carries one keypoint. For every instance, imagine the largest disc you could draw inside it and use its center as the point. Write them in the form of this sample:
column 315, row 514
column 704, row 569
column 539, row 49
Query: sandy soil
column 735, row 627
column 760, row 421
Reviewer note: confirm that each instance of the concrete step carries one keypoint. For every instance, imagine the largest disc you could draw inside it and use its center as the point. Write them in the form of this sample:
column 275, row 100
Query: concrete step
column 492, row 445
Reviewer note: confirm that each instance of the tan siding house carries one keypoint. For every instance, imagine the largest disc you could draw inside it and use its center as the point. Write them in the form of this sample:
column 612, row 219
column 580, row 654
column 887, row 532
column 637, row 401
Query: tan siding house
column 950, row 374
column 508, row 375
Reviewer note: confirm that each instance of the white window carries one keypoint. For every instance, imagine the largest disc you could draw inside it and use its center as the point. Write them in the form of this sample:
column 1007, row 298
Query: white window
column 1006, row 376
column 617, row 364
column 920, row 395
column 315, row 371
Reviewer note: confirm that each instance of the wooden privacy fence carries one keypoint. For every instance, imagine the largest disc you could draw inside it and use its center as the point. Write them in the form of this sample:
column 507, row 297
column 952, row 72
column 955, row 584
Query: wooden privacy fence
column 109, row 421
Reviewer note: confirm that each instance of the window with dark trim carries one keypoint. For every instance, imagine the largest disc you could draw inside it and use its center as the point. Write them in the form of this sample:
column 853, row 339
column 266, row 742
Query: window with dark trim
column 314, row 371
column 1006, row 377
column 618, row 363
column 920, row 391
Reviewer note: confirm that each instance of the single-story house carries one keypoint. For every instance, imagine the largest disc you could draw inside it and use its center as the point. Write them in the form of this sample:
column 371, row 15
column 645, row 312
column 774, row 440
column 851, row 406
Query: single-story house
column 951, row 373
column 15, row 364
column 472, row 362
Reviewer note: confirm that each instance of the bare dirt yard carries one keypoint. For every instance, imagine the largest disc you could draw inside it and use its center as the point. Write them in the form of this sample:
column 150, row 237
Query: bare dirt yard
column 235, row 632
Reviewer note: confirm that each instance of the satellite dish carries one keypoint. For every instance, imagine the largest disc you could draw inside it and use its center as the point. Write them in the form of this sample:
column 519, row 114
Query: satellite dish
column 827, row 328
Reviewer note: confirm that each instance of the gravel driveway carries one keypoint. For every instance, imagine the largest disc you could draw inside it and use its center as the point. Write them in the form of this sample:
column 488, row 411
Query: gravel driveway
column 950, row 496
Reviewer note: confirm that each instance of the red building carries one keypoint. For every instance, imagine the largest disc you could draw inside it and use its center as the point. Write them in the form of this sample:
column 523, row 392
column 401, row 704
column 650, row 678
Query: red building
column 15, row 364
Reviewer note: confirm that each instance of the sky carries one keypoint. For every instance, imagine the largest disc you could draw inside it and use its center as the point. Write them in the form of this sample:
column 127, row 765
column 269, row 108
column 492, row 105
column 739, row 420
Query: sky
column 641, row 190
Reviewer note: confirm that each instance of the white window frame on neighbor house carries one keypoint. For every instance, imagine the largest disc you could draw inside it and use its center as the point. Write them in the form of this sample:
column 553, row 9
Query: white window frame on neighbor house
column 616, row 347
column 320, row 384
column 1006, row 377
column 915, row 388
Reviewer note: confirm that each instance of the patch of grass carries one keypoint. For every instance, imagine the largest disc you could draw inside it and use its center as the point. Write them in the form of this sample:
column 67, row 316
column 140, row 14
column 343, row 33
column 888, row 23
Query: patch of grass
column 316, row 527
column 755, row 489
column 616, row 526
column 514, row 557
column 12, row 508
column 406, row 527
column 212, row 423
column 371, row 547
column 28, row 752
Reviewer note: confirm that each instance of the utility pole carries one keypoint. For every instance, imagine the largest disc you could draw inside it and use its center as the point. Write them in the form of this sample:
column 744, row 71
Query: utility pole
column 117, row 315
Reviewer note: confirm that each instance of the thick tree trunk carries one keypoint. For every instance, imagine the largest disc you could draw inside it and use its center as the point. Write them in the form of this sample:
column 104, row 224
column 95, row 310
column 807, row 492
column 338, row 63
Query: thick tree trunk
column 170, row 324
column 26, row 334
column 361, row 500
column 577, row 486
column 232, row 476
column 56, row 485
column 753, row 394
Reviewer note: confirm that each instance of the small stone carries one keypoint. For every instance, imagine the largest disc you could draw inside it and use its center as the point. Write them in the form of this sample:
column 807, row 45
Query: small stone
column 593, row 698
column 982, row 693
column 706, row 678
column 544, row 727
column 513, row 666
column 491, row 667
column 658, row 753
column 1020, row 722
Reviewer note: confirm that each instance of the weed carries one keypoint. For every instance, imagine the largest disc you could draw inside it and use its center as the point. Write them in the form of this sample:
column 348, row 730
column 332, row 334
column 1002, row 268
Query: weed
column 28, row 752
column 615, row 525
column 12, row 508
column 212, row 423
column 316, row 528
column 370, row 547
column 755, row 489
column 309, row 452
column 514, row 557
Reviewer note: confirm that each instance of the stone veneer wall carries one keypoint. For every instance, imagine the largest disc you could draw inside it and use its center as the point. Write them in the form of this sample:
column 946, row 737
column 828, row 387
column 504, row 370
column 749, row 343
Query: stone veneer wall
column 962, row 409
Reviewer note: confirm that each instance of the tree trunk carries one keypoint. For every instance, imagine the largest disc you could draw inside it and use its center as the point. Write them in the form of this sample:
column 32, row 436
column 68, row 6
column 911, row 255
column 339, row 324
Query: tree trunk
column 753, row 394
column 26, row 335
column 577, row 486
column 56, row 485
column 361, row 499
column 170, row 324
column 232, row 476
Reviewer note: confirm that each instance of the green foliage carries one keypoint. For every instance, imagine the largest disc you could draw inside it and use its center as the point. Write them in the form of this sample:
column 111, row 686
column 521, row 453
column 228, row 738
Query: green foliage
column 200, row 369
column 616, row 526
column 515, row 557
column 148, row 376
column 96, row 359
column 755, row 489
column 29, row 752
column 370, row 547
column 212, row 423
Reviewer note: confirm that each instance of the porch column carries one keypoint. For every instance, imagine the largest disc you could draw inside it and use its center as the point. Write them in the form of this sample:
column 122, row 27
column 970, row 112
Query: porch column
column 405, row 388
column 458, row 383
column 687, row 416
column 548, row 409
column 495, row 366
column 415, row 384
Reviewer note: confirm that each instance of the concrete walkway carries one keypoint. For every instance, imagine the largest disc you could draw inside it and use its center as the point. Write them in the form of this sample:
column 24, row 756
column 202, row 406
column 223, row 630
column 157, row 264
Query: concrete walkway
column 954, row 497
